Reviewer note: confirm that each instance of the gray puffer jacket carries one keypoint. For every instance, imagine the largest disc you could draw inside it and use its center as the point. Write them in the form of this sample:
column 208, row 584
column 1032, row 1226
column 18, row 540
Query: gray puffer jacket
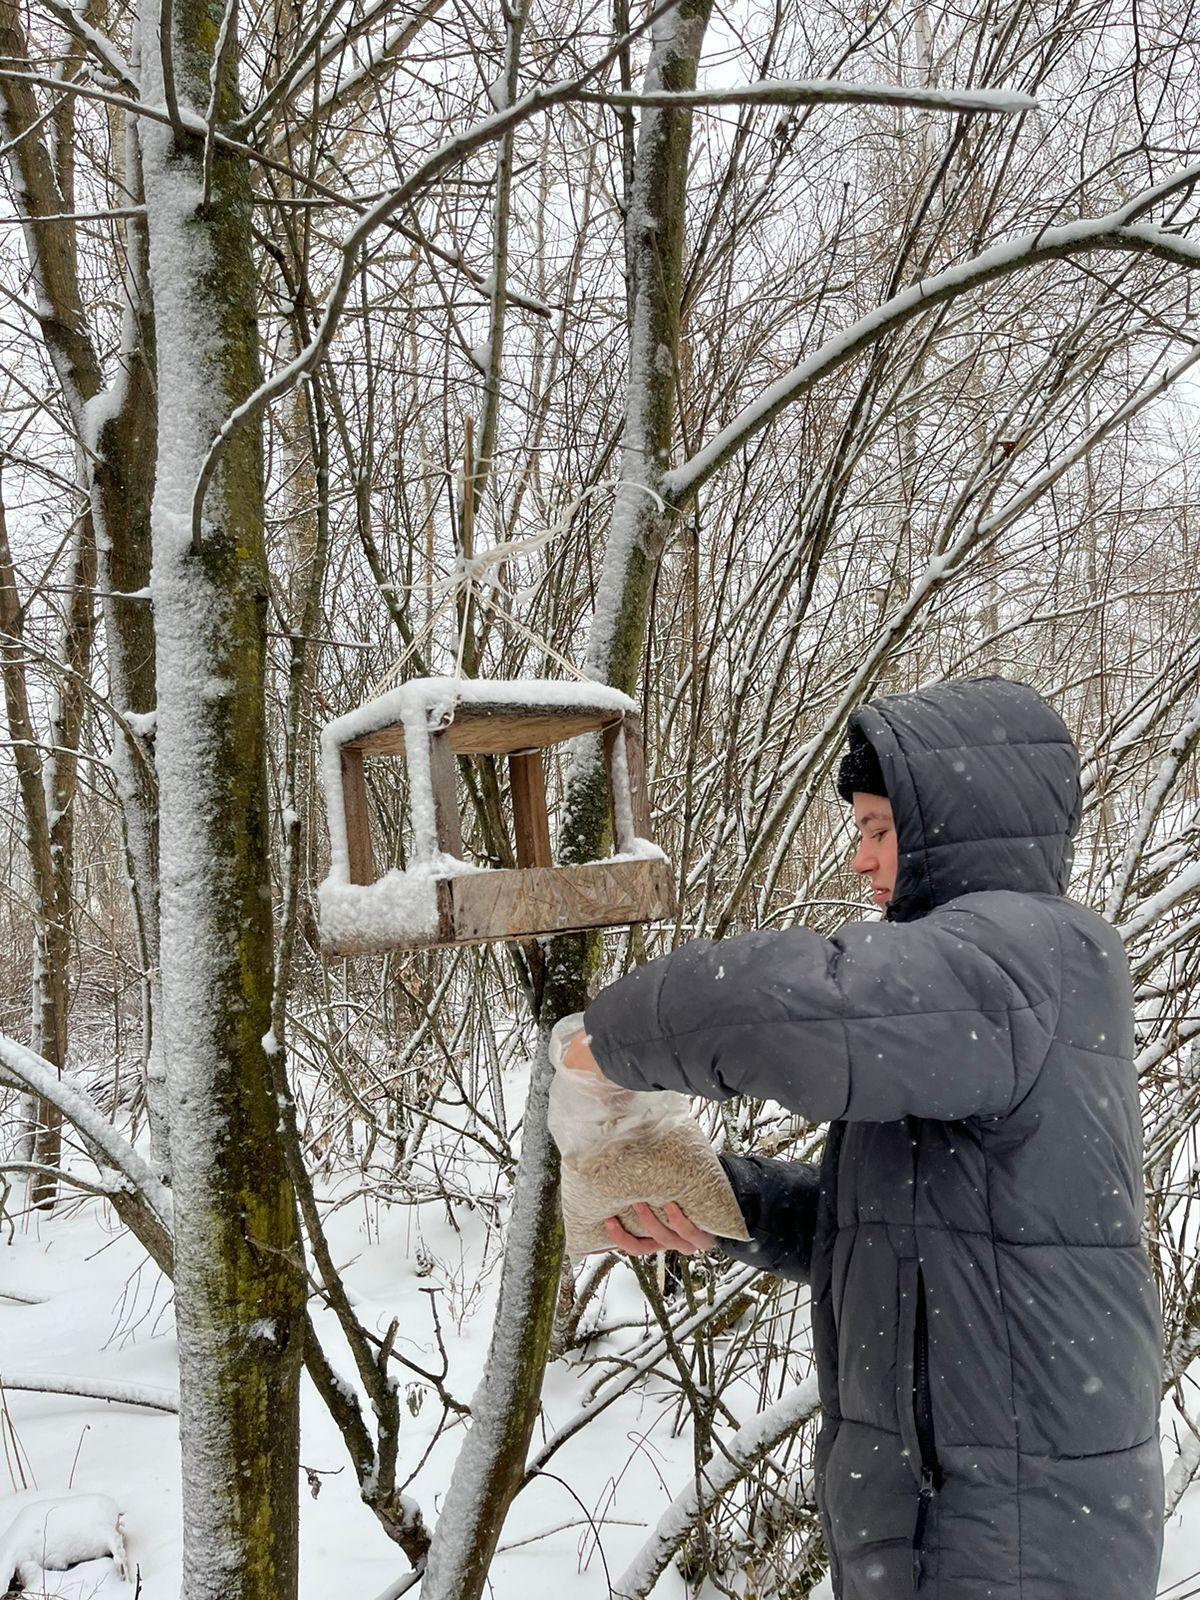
column 985, row 1321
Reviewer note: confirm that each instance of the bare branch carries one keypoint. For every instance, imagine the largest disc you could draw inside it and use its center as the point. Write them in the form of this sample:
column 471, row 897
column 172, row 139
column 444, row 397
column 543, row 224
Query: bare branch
column 825, row 91
column 449, row 154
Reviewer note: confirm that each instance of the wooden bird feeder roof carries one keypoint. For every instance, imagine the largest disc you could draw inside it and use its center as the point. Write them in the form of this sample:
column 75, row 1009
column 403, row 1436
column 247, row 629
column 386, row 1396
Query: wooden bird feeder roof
column 494, row 728
column 440, row 898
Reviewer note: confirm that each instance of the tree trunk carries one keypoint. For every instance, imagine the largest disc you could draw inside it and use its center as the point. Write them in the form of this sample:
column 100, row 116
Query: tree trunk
column 122, row 465
column 489, row 1469
column 239, row 1284
column 47, row 784
column 115, row 429
column 60, row 775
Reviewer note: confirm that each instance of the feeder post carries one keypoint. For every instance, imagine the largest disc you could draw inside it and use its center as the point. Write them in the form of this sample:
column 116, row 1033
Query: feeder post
column 625, row 760
column 527, row 780
column 443, row 775
column 358, row 821
column 635, row 764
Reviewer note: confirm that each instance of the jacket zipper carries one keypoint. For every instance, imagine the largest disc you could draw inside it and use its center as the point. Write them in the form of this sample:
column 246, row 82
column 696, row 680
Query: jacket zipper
column 922, row 1403
column 931, row 1472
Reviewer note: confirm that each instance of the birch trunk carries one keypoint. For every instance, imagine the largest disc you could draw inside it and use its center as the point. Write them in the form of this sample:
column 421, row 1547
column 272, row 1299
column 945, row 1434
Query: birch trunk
column 239, row 1286
column 490, row 1466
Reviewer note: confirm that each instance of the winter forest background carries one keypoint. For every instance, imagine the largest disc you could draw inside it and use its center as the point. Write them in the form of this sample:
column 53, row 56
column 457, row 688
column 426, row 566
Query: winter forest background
column 354, row 340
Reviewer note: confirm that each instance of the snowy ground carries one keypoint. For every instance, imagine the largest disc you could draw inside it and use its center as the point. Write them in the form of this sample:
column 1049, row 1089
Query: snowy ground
column 103, row 1314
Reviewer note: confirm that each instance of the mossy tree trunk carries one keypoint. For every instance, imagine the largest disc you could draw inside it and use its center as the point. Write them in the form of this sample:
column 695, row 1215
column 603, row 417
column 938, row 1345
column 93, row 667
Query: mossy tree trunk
column 491, row 1466
column 239, row 1282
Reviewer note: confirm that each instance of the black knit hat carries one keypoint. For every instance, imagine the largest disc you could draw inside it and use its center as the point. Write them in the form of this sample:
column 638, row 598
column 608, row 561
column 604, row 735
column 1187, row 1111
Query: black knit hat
column 859, row 771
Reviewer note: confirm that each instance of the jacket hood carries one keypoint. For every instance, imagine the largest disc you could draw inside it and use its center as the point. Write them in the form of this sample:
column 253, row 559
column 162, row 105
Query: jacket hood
column 983, row 778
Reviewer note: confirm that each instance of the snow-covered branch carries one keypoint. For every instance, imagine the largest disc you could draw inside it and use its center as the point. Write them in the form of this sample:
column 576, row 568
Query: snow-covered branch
column 1167, row 1044
column 1181, row 887
column 736, row 1459
column 826, row 91
column 22, row 1068
column 1182, row 745
column 124, row 1394
column 97, row 44
column 104, row 1188
column 1181, row 1354
column 1116, row 231
column 1183, row 1469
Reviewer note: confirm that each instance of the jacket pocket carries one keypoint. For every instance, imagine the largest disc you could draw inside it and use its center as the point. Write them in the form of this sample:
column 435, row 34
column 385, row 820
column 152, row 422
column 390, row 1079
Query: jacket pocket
column 914, row 1402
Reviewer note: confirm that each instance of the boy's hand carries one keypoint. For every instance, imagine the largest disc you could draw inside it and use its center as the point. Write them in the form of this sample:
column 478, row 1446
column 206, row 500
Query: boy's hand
column 577, row 1054
column 677, row 1232
column 681, row 1235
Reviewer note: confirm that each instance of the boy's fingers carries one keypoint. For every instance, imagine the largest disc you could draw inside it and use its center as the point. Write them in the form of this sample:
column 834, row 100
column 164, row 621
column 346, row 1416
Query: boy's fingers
column 667, row 1238
column 678, row 1228
column 682, row 1235
column 677, row 1232
column 699, row 1238
column 628, row 1242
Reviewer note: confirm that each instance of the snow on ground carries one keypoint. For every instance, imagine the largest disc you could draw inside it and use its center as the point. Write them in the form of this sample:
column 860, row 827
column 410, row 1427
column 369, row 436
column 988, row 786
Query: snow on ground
column 49, row 1536
column 104, row 1313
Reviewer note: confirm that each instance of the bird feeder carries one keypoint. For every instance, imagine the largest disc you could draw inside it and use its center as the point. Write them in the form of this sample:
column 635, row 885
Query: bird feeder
column 441, row 898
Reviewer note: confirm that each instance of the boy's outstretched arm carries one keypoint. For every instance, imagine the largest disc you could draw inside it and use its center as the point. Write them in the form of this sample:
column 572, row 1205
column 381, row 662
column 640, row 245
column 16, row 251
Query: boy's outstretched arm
column 947, row 1017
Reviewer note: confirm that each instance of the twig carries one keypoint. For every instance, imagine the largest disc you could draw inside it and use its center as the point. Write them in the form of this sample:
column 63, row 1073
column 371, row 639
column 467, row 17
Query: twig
column 225, row 41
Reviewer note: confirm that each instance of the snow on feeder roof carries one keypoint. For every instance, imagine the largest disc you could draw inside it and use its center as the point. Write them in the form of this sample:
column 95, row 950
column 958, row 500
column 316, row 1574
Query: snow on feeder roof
column 440, row 898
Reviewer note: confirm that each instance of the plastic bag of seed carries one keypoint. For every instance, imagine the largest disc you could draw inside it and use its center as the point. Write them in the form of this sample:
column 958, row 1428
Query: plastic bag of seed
column 620, row 1146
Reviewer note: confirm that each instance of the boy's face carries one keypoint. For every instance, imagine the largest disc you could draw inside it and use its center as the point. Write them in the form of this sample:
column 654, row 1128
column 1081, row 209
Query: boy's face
column 876, row 856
